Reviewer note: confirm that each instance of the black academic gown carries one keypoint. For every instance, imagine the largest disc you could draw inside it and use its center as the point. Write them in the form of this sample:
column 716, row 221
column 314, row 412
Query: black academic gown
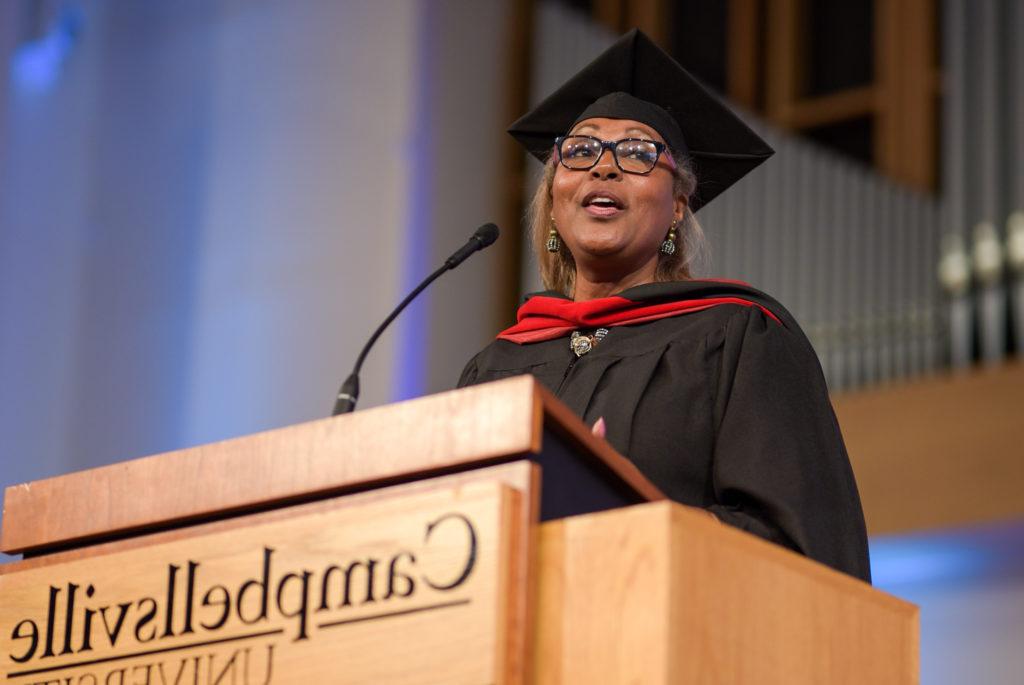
column 722, row 408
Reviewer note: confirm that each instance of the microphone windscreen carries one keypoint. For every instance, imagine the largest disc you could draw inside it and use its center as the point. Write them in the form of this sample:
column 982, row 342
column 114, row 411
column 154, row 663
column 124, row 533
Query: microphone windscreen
column 486, row 234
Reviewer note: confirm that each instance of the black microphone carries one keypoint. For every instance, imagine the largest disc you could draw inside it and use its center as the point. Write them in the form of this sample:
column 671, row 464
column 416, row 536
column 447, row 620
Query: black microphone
column 348, row 395
column 484, row 237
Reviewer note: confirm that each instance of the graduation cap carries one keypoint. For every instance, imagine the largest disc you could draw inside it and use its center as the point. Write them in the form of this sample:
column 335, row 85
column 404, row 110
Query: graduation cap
column 635, row 79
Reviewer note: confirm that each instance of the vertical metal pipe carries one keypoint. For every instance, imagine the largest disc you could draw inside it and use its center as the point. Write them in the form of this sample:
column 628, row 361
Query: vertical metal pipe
column 836, row 276
column 930, row 284
column 883, row 294
column 753, row 228
column 920, row 262
column 1015, row 221
column 902, row 273
column 908, row 301
column 716, row 231
column 791, row 213
column 716, row 221
column 819, row 262
column 917, row 258
column 988, row 260
column 954, row 130
column 869, row 278
column 804, row 226
column 768, row 257
column 1015, row 84
column 954, row 165
column 787, row 258
column 986, row 73
column 991, row 296
column 727, row 226
column 923, row 261
column 1015, row 258
column 859, row 257
column 955, row 275
column 865, row 264
column 724, row 262
column 885, row 311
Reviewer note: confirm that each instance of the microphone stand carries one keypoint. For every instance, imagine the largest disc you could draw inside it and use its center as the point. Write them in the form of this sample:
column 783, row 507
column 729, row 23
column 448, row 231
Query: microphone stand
column 348, row 394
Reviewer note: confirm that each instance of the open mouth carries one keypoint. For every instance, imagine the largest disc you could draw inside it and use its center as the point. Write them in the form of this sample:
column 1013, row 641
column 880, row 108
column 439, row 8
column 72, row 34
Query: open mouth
column 601, row 203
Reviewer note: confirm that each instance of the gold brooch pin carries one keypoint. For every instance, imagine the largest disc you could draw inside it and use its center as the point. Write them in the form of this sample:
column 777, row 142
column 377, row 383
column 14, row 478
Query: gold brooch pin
column 581, row 344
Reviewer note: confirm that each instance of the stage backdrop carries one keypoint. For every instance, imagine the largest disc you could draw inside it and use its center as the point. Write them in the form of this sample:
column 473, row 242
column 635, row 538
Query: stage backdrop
column 207, row 206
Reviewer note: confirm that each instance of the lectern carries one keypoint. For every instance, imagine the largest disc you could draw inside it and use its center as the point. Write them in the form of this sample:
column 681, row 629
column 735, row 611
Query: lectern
column 477, row 536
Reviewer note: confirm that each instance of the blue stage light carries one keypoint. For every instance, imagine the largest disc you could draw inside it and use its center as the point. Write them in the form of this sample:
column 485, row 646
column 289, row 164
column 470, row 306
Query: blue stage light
column 901, row 560
column 36, row 65
column 411, row 358
column 954, row 555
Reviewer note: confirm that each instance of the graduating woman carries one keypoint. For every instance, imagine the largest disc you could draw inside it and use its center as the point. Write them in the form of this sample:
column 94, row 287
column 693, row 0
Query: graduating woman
column 709, row 387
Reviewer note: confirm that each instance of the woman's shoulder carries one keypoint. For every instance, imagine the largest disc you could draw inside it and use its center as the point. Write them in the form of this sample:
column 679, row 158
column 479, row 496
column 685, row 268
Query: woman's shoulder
column 732, row 294
column 721, row 305
column 733, row 326
column 501, row 358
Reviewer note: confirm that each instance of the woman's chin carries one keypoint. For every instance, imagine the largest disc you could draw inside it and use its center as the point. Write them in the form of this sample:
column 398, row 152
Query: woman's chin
column 601, row 242
column 598, row 251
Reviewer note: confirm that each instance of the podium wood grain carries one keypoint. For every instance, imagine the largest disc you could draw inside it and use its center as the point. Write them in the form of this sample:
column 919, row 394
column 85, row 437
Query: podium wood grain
column 433, row 435
column 658, row 593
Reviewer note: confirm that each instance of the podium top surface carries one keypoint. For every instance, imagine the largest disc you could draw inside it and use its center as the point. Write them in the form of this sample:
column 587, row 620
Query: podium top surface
column 432, row 435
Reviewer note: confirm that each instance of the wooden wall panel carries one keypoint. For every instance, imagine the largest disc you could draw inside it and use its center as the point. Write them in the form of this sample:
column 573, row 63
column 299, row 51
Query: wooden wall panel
column 947, row 451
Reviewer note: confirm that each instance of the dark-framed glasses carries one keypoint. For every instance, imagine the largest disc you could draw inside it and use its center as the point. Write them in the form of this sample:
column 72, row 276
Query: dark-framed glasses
column 632, row 155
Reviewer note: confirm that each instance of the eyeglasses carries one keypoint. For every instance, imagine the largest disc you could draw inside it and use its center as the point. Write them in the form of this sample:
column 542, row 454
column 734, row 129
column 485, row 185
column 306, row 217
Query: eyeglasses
column 632, row 155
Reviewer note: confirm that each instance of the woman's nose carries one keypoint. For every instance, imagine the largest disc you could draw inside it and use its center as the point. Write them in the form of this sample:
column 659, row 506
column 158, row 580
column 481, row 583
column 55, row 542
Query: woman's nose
column 605, row 167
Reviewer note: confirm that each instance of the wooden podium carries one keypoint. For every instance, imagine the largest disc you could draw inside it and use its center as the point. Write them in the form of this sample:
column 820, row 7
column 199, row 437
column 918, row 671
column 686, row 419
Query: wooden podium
column 477, row 536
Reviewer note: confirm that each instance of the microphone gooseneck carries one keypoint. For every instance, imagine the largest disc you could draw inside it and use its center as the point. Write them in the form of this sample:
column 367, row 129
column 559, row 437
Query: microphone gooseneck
column 483, row 237
column 348, row 394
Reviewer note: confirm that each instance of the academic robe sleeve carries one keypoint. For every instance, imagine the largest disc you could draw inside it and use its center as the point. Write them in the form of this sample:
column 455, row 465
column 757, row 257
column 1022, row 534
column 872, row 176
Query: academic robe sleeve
column 780, row 469
column 469, row 373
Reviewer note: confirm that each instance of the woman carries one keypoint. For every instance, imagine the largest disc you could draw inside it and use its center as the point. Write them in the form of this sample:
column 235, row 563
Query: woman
column 709, row 387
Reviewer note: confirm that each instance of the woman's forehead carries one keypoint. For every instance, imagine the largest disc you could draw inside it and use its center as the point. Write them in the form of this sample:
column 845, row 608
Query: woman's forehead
column 617, row 128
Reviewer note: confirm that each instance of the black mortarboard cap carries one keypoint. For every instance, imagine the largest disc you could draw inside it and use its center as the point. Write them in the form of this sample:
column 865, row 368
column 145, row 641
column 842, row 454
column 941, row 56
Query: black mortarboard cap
column 635, row 79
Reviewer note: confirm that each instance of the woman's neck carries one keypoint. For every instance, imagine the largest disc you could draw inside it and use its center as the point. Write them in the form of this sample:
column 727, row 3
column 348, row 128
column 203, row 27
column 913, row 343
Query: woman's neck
column 591, row 285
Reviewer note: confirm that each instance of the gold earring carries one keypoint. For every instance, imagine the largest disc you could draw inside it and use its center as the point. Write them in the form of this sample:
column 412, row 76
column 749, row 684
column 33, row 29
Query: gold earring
column 668, row 246
column 554, row 243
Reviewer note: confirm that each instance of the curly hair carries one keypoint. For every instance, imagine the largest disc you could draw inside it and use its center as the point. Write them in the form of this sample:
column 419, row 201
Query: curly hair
column 558, row 269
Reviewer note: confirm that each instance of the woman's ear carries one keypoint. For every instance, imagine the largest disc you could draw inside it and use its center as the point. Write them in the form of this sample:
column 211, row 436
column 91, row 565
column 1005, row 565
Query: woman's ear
column 679, row 209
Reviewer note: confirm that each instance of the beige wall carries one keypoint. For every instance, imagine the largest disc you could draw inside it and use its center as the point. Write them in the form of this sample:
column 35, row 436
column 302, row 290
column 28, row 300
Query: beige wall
column 301, row 235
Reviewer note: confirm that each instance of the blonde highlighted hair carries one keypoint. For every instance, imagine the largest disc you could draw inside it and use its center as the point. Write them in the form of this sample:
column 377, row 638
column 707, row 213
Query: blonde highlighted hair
column 558, row 269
